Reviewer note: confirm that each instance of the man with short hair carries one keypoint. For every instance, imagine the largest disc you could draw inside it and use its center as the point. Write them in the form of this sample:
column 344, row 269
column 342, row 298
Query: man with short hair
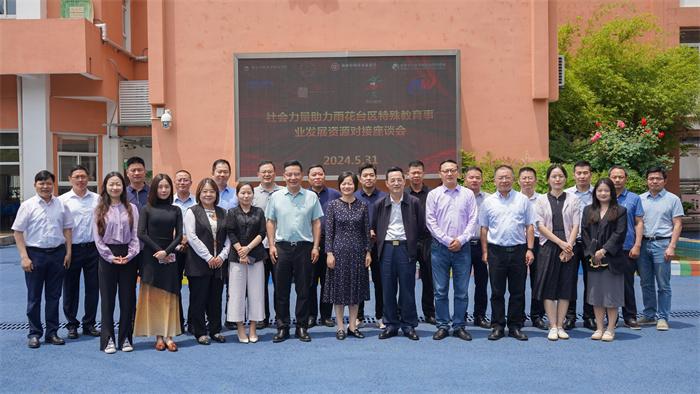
column 261, row 195
column 137, row 191
column 42, row 231
column 369, row 194
column 398, row 220
column 633, row 240
column 417, row 188
column 474, row 180
column 294, row 230
column 317, row 181
column 663, row 213
column 182, row 199
column 507, row 239
column 82, row 203
column 584, row 191
column 527, row 179
column 221, row 172
column 451, row 218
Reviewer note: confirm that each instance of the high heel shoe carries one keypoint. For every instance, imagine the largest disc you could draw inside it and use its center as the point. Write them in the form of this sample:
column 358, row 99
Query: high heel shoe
column 243, row 339
column 253, row 339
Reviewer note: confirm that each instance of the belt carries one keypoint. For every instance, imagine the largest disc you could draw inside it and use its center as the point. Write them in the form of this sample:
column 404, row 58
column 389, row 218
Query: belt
column 46, row 250
column 508, row 249
column 84, row 245
column 655, row 238
column 293, row 244
column 395, row 242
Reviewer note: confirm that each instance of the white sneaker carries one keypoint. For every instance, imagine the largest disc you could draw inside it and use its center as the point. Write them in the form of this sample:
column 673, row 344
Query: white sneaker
column 553, row 336
column 126, row 346
column 662, row 325
column 597, row 335
column 110, row 348
column 561, row 333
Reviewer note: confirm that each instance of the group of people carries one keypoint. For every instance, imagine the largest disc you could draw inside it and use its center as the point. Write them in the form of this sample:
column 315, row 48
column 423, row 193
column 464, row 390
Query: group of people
column 236, row 238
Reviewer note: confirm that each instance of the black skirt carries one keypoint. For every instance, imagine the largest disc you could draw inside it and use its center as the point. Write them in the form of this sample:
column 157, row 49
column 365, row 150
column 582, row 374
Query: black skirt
column 555, row 280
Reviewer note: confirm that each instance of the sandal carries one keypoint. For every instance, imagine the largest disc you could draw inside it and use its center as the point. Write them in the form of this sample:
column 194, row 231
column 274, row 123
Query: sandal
column 203, row 340
column 340, row 334
column 608, row 336
column 160, row 345
column 219, row 337
column 171, row 345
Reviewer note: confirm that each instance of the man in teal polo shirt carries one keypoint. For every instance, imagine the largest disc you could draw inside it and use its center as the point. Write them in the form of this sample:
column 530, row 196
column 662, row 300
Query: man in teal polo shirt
column 294, row 232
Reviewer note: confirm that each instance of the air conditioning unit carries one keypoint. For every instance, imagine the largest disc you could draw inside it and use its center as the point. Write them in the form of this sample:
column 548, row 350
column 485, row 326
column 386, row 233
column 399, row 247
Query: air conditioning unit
column 560, row 67
column 134, row 107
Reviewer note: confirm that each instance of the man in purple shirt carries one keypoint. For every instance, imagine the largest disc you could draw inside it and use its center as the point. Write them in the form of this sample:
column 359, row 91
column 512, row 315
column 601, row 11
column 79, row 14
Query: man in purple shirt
column 450, row 213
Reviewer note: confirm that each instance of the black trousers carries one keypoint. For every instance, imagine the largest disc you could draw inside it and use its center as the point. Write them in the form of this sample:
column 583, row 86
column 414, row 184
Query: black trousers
column 536, row 306
column 578, row 260
column 180, row 258
column 117, row 278
column 629, row 311
column 205, row 298
column 47, row 274
column 507, row 268
column 426, row 277
column 481, row 279
column 375, row 268
column 319, row 275
column 84, row 259
column 293, row 264
column 269, row 272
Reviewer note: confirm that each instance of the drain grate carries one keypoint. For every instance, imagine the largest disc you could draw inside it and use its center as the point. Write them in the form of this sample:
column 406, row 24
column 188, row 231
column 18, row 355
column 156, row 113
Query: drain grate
column 15, row 326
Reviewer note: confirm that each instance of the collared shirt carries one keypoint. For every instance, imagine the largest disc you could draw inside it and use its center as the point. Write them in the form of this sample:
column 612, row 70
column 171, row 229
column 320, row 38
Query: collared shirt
column 293, row 214
column 422, row 195
column 370, row 199
column 118, row 232
column 451, row 213
column 261, row 195
column 584, row 199
column 633, row 203
column 227, row 198
column 184, row 205
column 395, row 231
column 507, row 218
column 480, row 197
column 43, row 223
column 138, row 198
column 83, row 210
column 532, row 199
column 659, row 212
column 326, row 195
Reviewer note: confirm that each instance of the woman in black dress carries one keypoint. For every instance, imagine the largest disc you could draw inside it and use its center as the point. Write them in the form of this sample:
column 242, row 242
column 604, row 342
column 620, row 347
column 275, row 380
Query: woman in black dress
column 160, row 230
column 348, row 250
column 603, row 233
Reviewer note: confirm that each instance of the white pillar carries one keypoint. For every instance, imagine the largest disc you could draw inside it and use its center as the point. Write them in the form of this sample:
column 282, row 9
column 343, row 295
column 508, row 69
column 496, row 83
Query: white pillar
column 36, row 142
column 111, row 153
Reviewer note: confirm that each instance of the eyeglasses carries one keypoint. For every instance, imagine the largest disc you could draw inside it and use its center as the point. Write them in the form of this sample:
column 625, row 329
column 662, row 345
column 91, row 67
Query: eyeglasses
column 450, row 171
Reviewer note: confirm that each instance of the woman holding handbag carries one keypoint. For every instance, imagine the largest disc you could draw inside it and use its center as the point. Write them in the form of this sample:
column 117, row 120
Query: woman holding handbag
column 603, row 232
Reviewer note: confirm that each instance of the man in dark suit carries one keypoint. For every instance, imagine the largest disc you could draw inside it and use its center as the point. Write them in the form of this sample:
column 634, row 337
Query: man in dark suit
column 398, row 222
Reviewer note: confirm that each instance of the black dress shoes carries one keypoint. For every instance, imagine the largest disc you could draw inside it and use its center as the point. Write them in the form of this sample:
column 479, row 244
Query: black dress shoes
column 387, row 333
column 311, row 322
column 73, row 333
column 328, row 322
column 517, row 334
column 440, row 334
column 462, row 334
column 589, row 324
column 281, row 336
column 356, row 333
column 632, row 324
column 91, row 331
column 481, row 321
column 569, row 324
column 539, row 323
column 55, row 340
column 496, row 334
column 430, row 320
column 411, row 334
column 33, row 343
column 302, row 334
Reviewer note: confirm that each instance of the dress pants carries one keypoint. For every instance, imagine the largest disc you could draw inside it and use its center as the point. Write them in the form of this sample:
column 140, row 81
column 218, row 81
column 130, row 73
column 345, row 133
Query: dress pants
column 269, row 272
column 426, row 277
column 205, row 298
column 47, row 274
column 629, row 311
column 319, row 274
column 507, row 268
column 246, row 291
column 119, row 278
column 481, row 279
column 375, row 268
column 293, row 264
column 579, row 260
column 398, row 274
column 536, row 306
column 84, row 258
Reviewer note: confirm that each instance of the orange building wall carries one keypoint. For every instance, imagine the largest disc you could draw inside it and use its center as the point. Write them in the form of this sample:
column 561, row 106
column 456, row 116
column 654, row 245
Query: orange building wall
column 494, row 38
column 8, row 102
column 77, row 116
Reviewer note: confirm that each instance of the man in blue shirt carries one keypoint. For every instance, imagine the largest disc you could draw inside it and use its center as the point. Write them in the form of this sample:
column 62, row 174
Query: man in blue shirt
column 221, row 172
column 317, row 180
column 633, row 240
column 663, row 214
column 137, row 191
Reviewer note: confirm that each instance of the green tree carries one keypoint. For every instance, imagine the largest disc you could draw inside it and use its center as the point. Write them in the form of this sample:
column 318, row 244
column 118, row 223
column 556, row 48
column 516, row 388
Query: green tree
column 617, row 68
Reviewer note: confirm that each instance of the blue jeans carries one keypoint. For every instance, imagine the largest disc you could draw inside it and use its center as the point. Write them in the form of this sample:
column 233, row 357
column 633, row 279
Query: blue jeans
column 651, row 265
column 398, row 274
column 461, row 264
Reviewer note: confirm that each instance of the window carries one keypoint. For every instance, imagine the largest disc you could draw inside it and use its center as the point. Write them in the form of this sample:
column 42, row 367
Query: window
column 690, row 37
column 690, row 3
column 9, row 178
column 8, row 8
column 74, row 150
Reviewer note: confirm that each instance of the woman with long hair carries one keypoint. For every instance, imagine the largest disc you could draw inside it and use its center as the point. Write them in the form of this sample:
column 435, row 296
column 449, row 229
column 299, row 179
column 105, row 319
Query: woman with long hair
column 116, row 238
column 603, row 233
column 558, row 220
column 206, row 261
column 160, row 230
